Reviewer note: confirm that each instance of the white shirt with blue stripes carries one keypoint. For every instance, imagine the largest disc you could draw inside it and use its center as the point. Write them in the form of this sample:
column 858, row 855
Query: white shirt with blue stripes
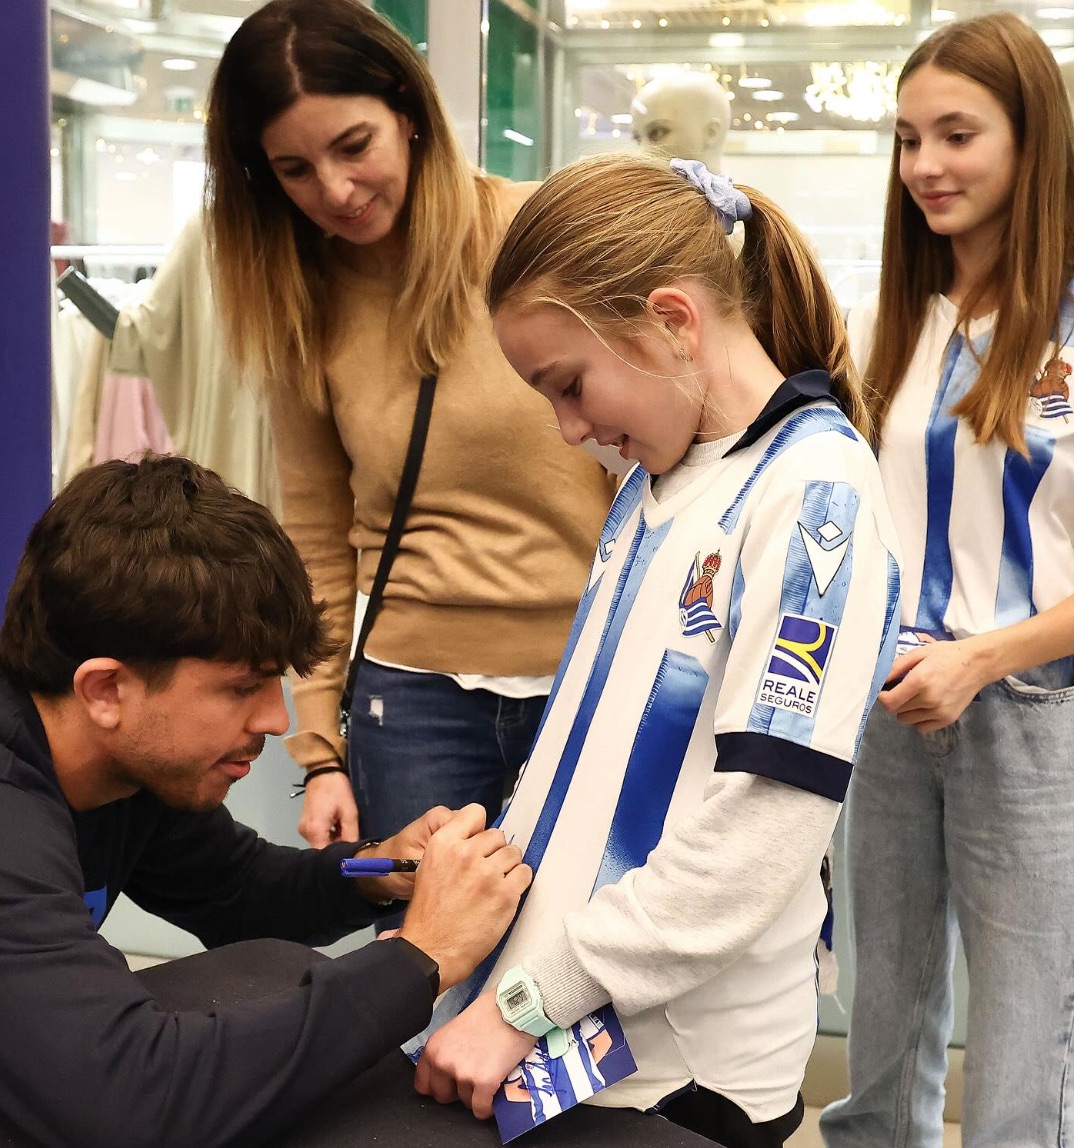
column 986, row 533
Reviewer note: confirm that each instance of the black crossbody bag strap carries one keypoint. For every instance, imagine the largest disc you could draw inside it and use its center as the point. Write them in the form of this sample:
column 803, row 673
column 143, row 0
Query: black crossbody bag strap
column 405, row 495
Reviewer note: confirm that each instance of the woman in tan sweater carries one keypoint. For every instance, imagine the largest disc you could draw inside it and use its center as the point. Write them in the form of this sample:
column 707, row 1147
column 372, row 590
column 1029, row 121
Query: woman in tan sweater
column 350, row 241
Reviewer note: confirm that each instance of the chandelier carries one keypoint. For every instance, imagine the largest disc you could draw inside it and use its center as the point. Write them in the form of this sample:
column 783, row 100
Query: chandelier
column 860, row 91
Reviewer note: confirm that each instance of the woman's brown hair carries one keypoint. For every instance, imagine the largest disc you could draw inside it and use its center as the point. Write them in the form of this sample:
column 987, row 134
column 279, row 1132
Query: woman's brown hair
column 270, row 263
column 1031, row 269
column 601, row 234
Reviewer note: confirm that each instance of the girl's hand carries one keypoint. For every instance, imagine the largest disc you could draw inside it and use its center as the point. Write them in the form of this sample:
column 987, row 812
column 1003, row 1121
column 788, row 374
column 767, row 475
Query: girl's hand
column 470, row 1057
column 933, row 684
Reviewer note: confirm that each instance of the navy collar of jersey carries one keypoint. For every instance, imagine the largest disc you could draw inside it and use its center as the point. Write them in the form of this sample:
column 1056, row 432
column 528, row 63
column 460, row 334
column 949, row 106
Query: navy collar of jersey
column 792, row 393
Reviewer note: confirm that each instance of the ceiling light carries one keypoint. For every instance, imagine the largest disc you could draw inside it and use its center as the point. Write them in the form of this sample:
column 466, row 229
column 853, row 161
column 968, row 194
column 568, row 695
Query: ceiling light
column 86, row 91
column 1055, row 13
column 517, row 137
column 942, row 15
column 179, row 64
column 844, row 12
column 782, row 117
column 754, row 82
column 768, row 94
column 863, row 91
column 622, row 118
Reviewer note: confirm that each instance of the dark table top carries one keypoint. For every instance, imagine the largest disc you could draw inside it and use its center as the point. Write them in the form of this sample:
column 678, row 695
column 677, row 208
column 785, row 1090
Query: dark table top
column 380, row 1108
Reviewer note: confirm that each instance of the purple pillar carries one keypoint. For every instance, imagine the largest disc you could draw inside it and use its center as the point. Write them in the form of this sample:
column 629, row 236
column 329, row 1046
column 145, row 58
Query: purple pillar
column 25, row 364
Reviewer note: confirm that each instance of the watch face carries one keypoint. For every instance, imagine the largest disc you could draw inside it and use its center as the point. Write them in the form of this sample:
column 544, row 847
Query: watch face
column 516, row 999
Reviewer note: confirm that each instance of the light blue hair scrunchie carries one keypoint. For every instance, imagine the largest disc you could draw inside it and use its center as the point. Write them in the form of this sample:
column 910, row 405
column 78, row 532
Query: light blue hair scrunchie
column 730, row 204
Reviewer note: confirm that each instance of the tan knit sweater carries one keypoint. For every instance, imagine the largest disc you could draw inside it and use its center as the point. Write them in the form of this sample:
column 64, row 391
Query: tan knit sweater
column 503, row 524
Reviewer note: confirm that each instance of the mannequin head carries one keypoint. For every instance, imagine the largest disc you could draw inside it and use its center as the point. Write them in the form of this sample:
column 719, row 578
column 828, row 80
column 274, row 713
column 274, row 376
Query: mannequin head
column 685, row 115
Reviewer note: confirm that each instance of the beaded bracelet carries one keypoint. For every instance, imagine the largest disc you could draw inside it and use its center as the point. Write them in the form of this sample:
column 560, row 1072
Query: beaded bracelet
column 300, row 786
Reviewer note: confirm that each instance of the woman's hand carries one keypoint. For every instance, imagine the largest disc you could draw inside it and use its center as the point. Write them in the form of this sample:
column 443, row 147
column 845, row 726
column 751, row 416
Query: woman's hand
column 329, row 811
column 470, row 1057
column 934, row 683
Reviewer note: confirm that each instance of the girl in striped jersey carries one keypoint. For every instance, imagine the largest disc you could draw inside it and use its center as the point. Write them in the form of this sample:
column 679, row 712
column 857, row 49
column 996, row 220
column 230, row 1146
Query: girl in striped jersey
column 740, row 617
column 962, row 807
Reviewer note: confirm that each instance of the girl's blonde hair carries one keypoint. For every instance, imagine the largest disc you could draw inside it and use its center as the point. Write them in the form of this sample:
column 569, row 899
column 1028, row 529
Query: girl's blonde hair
column 270, row 263
column 603, row 233
column 1031, row 269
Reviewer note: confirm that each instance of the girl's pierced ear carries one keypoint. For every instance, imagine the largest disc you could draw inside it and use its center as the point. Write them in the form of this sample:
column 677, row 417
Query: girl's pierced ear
column 678, row 346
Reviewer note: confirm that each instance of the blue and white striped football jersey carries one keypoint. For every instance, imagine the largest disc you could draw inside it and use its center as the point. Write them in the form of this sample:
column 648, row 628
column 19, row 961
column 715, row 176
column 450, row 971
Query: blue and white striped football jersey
column 986, row 533
column 743, row 624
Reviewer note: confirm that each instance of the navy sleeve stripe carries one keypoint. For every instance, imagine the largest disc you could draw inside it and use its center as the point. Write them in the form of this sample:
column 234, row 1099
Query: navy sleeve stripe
column 782, row 760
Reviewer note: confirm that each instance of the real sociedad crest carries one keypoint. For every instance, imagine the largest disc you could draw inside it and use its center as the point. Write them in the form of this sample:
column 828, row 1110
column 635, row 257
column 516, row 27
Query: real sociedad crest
column 1049, row 396
column 695, row 601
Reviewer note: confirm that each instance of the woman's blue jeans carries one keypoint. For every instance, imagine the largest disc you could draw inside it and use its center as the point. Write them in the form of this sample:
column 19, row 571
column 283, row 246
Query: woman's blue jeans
column 970, row 827
column 419, row 740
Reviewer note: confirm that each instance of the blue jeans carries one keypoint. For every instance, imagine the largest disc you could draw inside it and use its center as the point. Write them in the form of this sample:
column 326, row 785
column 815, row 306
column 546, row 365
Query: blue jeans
column 970, row 827
column 419, row 740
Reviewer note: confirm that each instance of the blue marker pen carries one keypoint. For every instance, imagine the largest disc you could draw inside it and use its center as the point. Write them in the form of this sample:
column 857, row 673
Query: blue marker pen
column 375, row 866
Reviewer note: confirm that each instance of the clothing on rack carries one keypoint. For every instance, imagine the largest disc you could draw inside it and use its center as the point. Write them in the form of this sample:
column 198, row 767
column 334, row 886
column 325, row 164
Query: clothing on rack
column 188, row 396
column 173, row 337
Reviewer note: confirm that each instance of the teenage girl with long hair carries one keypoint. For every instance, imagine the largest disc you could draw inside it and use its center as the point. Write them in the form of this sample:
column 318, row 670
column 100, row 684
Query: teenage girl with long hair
column 961, row 814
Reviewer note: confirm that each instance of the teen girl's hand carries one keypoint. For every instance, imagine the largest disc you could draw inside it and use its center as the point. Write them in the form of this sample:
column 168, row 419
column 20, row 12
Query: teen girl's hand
column 934, row 683
column 470, row 1057
column 329, row 812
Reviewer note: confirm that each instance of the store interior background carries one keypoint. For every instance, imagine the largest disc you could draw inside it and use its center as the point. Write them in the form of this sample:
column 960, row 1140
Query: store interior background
column 532, row 84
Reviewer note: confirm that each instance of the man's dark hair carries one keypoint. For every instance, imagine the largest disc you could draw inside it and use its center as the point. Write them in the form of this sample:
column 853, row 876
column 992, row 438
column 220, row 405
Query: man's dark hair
column 154, row 561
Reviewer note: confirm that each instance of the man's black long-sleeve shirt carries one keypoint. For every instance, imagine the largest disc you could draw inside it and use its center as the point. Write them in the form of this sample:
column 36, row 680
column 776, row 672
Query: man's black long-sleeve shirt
column 86, row 1056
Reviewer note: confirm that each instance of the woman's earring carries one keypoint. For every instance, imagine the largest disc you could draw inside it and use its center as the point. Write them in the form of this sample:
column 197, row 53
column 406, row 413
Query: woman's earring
column 683, row 355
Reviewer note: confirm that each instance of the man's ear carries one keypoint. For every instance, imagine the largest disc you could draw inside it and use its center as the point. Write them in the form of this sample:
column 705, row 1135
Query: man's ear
column 101, row 685
column 676, row 309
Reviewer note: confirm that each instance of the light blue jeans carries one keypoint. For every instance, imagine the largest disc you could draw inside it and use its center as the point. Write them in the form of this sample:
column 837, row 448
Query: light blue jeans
column 972, row 828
